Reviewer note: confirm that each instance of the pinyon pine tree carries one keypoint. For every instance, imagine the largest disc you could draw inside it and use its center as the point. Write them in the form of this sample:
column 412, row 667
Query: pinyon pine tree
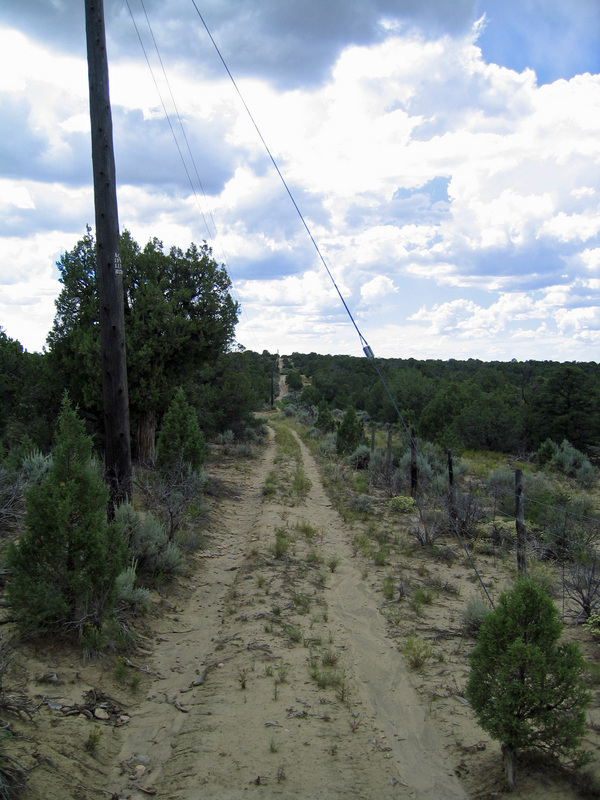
column 65, row 564
column 526, row 689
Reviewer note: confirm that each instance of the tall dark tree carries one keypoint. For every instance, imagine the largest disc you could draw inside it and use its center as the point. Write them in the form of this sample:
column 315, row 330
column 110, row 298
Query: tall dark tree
column 29, row 400
column 566, row 407
column 179, row 315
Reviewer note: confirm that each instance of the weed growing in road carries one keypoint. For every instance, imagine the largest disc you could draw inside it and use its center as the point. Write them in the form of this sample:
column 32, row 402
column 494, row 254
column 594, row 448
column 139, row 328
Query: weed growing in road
column 93, row 740
column 393, row 615
column 293, row 632
column 302, row 603
column 301, row 484
column 282, row 543
column 269, row 487
column 362, row 543
column 329, row 658
column 333, row 562
column 416, row 651
column 306, row 529
column 273, row 746
column 326, row 677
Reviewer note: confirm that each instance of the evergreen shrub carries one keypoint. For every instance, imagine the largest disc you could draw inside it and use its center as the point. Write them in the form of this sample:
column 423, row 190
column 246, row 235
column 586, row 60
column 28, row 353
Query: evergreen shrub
column 180, row 443
column 65, row 564
column 349, row 433
column 527, row 690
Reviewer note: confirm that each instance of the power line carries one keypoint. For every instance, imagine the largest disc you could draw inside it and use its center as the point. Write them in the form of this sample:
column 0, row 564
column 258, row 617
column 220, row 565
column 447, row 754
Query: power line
column 210, row 232
column 365, row 346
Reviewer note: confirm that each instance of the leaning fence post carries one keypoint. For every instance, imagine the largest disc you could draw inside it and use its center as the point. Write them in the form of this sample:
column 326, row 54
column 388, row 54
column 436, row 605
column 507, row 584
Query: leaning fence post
column 520, row 522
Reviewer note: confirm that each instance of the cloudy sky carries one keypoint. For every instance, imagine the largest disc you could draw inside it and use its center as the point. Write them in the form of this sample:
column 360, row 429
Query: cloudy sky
column 445, row 156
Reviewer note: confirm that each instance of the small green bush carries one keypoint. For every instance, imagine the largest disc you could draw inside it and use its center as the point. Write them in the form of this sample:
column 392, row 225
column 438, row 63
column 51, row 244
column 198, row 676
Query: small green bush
column 324, row 420
column 282, row 543
column 361, row 504
column 546, row 452
column 359, row 459
column 416, row 651
column 128, row 595
column 149, row 544
column 401, row 504
column 473, row 614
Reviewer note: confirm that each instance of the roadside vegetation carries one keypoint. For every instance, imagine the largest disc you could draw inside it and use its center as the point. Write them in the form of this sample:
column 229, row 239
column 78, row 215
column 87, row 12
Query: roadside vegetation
column 425, row 498
column 459, row 520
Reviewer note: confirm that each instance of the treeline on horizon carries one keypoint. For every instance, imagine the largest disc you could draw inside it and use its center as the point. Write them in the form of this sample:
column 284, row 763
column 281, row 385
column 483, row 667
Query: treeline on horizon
column 510, row 407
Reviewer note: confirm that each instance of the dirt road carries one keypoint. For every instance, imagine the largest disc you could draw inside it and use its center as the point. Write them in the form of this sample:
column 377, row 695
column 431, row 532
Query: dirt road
column 273, row 675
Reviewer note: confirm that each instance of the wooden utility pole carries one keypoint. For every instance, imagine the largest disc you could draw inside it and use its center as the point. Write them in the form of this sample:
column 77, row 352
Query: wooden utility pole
column 109, row 275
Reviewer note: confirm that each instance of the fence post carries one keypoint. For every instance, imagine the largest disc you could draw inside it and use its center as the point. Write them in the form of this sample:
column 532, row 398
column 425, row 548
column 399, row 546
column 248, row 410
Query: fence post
column 414, row 469
column 451, row 506
column 388, row 455
column 520, row 522
column 373, row 429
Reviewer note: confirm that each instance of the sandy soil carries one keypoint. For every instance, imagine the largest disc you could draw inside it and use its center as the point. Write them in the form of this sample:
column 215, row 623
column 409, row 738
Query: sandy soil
column 268, row 674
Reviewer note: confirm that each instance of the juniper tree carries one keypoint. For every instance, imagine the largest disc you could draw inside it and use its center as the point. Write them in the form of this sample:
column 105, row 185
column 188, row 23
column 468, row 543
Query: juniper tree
column 349, row 433
column 526, row 689
column 179, row 316
column 65, row 563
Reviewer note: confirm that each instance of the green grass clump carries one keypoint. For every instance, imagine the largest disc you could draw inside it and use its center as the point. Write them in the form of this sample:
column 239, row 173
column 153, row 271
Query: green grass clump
column 301, row 483
column 333, row 562
column 389, row 587
column 421, row 597
column 293, row 632
column 326, row 677
column 282, row 543
column 416, row 651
